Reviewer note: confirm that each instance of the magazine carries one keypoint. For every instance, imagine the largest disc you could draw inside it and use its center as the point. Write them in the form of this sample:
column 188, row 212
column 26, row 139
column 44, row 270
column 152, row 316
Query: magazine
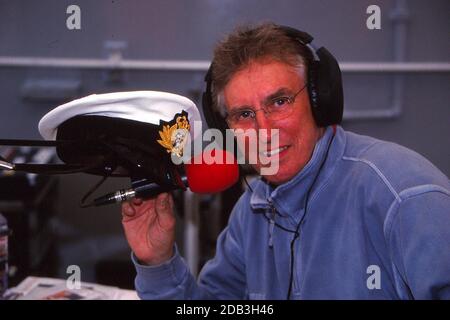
column 38, row 288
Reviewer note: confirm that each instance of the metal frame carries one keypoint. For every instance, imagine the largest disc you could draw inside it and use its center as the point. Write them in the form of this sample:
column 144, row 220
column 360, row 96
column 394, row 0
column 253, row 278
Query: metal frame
column 203, row 65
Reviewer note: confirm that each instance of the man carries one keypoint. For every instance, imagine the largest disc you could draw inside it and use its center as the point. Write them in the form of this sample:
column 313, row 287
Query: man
column 344, row 217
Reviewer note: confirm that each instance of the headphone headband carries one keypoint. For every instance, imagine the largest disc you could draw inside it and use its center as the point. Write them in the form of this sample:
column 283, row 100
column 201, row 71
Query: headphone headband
column 324, row 85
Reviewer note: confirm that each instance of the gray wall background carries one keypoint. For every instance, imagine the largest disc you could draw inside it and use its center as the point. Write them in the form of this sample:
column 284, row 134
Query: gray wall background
column 188, row 30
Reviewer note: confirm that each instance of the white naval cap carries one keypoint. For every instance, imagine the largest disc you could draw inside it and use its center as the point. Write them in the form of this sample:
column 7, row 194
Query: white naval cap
column 142, row 106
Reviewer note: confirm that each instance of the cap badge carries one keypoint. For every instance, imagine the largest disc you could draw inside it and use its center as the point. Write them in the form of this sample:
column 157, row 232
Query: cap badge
column 174, row 134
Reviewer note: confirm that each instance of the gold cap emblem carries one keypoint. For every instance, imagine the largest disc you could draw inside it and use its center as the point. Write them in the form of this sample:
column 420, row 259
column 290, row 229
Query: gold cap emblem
column 175, row 134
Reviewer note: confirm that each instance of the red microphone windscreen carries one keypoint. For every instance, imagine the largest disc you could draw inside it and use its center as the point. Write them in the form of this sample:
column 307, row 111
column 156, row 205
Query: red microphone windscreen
column 212, row 171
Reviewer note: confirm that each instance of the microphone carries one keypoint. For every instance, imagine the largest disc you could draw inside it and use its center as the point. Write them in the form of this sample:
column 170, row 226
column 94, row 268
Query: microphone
column 209, row 172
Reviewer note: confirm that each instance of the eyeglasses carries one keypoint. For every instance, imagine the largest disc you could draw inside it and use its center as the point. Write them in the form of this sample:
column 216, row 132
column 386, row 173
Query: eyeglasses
column 276, row 108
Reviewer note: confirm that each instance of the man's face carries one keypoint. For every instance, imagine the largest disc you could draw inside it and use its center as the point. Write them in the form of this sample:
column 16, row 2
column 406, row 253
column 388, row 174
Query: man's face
column 298, row 133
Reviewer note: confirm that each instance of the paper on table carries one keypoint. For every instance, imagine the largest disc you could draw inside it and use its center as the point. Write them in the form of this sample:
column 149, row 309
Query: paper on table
column 37, row 288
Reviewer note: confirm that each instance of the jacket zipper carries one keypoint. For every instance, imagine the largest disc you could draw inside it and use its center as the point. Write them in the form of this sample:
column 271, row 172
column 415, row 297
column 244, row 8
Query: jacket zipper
column 273, row 212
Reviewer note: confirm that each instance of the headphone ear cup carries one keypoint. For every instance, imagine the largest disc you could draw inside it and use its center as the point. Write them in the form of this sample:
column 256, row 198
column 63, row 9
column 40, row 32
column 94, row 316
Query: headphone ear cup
column 324, row 80
column 312, row 91
column 329, row 106
column 213, row 118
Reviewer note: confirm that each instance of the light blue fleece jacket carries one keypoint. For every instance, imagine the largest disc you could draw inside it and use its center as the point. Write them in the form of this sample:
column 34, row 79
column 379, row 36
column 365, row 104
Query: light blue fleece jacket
column 377, row 227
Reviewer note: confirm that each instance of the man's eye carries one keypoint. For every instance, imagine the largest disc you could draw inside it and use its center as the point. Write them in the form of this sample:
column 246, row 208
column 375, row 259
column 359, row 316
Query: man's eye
column 281, row 101
column 243, row 115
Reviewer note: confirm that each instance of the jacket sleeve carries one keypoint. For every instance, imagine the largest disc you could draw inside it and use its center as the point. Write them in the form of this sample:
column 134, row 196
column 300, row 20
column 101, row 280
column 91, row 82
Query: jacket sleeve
column 420, row 243
column 221, row 278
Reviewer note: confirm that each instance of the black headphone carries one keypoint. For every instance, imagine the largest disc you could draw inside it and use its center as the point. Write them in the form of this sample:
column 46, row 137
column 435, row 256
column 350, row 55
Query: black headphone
column 324, row 85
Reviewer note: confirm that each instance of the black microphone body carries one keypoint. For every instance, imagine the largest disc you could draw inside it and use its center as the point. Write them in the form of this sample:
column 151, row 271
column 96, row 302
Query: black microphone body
column 141, row 188
column 202, row 175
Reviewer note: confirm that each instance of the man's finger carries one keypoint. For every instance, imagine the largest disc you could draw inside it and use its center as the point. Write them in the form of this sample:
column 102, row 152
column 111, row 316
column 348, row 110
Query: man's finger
column 137, row 201
column 128, row 210
column 163, row 203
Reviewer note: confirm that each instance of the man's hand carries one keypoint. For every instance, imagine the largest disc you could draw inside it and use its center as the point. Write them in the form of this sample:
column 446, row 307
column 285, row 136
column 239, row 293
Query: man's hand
column 150, row 228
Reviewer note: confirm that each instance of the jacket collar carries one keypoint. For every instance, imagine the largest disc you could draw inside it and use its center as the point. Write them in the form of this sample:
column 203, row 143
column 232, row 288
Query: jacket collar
column 289, row 198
